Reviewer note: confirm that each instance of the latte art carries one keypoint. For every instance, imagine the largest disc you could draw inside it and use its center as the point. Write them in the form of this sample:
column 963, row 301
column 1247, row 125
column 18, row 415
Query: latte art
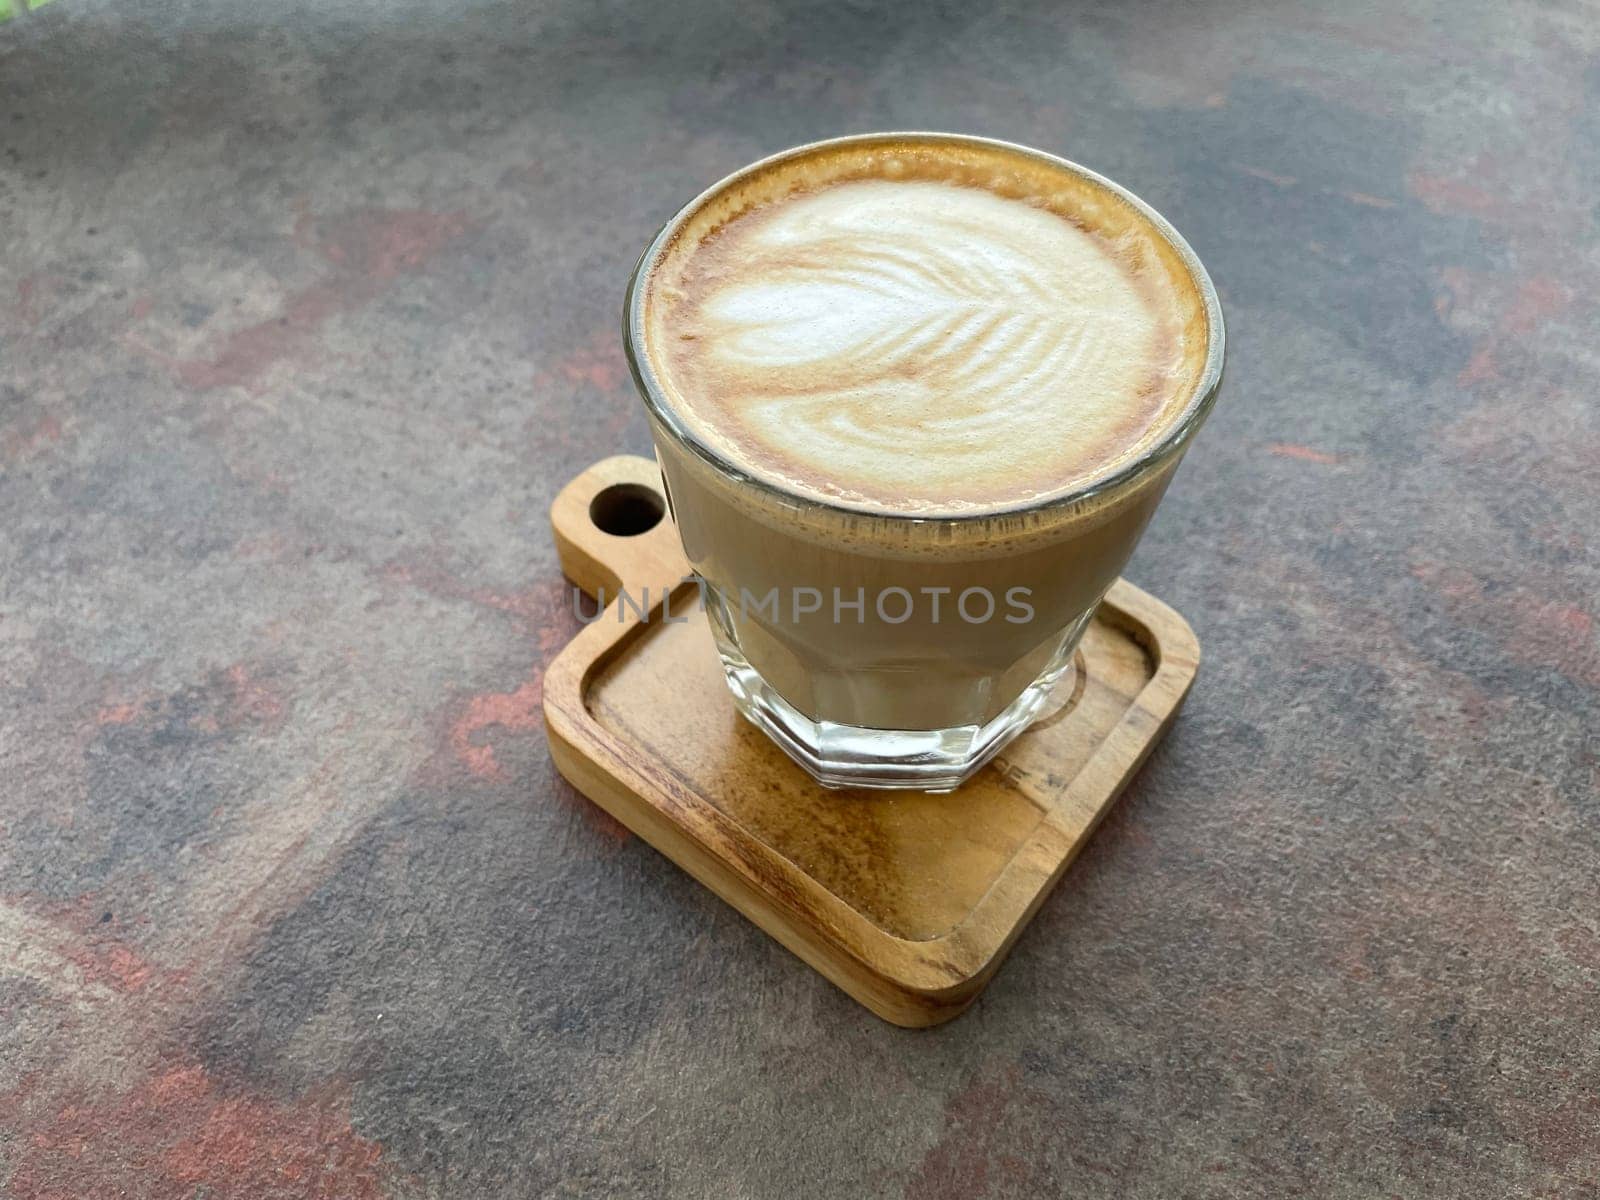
column 923, row 338
column 917, row 344
column 919, row 334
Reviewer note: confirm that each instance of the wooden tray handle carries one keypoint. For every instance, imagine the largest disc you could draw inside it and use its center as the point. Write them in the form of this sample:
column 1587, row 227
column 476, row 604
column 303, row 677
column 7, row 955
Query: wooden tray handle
column 613, row 531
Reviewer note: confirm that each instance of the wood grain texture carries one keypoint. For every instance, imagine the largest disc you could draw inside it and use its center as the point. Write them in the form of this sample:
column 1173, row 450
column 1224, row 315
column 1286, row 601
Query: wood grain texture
column 907, row 901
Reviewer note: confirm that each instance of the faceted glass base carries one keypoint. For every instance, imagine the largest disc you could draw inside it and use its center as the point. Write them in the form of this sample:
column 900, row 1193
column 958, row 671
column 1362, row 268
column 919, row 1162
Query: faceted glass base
column 853, row 756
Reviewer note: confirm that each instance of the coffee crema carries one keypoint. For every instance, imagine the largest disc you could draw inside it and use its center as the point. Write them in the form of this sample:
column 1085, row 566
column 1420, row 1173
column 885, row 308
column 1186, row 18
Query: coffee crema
column 912, row 326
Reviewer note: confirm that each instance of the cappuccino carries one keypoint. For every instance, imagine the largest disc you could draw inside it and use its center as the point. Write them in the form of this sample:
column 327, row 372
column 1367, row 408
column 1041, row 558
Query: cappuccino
column 918, row 364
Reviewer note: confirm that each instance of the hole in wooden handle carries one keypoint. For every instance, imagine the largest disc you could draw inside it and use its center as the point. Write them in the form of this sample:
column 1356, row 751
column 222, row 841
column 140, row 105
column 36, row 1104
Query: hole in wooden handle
column 626, row 509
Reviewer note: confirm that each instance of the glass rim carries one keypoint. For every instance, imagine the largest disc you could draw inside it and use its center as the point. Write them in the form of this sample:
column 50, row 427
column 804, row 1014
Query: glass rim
column 1152, row 458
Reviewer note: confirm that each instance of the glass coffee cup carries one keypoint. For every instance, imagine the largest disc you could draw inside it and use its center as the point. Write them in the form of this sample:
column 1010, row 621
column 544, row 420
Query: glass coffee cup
column 892, row 619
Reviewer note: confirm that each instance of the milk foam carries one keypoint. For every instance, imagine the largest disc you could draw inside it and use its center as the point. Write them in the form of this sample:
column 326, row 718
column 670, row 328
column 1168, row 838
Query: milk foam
column 912, row 341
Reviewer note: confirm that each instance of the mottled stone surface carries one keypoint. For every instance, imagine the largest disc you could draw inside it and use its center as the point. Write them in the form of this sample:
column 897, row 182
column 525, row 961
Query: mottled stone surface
column 307, row 310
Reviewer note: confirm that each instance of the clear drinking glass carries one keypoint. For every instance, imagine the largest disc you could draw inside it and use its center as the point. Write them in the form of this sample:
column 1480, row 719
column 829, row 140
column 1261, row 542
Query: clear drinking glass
column 903, row 651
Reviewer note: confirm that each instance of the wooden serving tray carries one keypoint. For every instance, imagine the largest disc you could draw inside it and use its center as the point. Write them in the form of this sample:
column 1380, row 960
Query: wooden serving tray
column 907, row 901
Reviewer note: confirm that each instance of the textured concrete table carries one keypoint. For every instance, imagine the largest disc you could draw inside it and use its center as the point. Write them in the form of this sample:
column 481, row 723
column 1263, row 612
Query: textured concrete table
column 306, row 311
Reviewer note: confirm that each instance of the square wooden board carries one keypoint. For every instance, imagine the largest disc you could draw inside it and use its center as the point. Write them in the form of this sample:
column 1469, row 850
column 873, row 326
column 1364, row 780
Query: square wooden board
column 907, row 901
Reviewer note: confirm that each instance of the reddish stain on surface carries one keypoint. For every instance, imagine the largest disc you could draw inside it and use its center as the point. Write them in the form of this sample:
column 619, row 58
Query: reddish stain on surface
column 110, row 964
column 1535, row 630
column 247, row 353
column 368, row 249
column 973, row 1155
column 1464, row 289
column 31, row 438
column 1559, row 1135
column 1561, row 635
column 117, row 714
column 1282, row 181
column 1453, row 584
column 1536, row 300
column 540, row 608
column 238, row 697
column 1480, row 367
column 1571, row 621
column 84, row 933
column 250, row 700
column 1460, row 196
column 380, row 244
column 594, row 366
column 1525, row 309
column 1303, row 453
column 1581, row 945
column 1547, row 439
column 601, row 370
column 517, row 711
column 32, row 292
column 25, row 290
column 529, row 604
column 470, row 731
column 179, row 1135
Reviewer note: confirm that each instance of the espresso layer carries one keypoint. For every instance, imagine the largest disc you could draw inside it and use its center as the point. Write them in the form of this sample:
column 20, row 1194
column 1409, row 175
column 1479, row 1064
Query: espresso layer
column 922, row 329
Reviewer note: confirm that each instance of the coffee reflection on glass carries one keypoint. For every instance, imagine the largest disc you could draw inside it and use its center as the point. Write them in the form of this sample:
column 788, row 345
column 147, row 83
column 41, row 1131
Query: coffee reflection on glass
column 915, row 398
